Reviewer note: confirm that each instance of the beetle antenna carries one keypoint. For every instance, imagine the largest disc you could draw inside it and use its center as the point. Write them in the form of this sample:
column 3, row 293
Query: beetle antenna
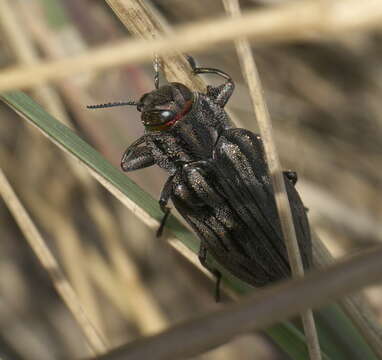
column 156, row 65
column 112, row 104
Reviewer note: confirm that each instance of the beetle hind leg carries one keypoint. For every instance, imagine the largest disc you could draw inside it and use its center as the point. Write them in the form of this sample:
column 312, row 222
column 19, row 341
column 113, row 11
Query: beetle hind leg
column 163, row 222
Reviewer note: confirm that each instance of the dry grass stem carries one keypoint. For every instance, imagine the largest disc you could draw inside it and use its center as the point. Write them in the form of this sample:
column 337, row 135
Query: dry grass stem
column 26, row 54
column 143, row 21
column 278, row 302
column 287, row 22
column 128, row 294
column 13, row 32
column 138, row 299
column 252, row 78
column 47, row 260
column 72, row 254
column 54, row 45
column 135, row 304
column 355, row 306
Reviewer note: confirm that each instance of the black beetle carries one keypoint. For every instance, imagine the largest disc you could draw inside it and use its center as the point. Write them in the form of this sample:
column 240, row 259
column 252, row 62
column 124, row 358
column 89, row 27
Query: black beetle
column 218, row 179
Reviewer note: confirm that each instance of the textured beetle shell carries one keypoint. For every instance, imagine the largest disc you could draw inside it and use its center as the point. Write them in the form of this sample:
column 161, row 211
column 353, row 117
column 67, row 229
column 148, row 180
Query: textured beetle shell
column 219, row 183
column 239, row 223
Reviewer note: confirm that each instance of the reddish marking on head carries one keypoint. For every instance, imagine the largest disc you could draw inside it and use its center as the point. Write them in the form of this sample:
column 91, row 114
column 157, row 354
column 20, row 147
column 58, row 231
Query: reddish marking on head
column 186, row 109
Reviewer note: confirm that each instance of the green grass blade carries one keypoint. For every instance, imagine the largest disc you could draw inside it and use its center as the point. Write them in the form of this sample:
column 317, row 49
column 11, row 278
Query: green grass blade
column 290, row 339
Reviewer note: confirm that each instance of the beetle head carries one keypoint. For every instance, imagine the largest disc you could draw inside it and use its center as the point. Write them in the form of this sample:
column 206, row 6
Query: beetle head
column 160, row 108
column 164, row 106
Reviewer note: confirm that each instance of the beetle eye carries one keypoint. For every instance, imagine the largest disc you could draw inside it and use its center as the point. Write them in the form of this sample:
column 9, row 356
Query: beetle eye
column 167, row 115
column 156, row 117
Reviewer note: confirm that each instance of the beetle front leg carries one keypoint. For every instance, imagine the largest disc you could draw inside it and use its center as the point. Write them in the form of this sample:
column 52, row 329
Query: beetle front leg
column 202, row 255
column 163, row 201
column 219, row 94
column 137, row 157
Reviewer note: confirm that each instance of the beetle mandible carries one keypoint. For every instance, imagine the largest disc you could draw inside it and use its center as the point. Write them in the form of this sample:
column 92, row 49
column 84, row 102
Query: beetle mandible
column 218, row 179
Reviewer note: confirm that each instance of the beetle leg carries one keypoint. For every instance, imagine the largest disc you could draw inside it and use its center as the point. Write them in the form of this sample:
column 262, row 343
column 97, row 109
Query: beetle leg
column 291, row 175
column 293, row 178
column 163, row 201
column 219, row 94
column 137, row 157
column 203, row 260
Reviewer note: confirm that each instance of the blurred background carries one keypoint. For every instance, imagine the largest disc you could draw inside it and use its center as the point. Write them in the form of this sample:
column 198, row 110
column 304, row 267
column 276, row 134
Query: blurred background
column 325, row 102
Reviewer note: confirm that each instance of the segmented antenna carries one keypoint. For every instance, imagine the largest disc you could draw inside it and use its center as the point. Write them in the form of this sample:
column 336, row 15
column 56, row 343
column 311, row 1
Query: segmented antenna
column 112, row 104
column 157, row 66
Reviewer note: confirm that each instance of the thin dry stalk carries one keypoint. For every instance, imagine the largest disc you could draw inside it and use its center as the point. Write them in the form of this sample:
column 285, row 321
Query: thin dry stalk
column 54, row 44
column 47, row 260
column 126, row 292
column 143, row 21
column 252, row 78
column 287, row 22
column 278, row 302
column 26, row 54
column 120, row 282
column 72, row 253
column 138, row 302
column 356, row 307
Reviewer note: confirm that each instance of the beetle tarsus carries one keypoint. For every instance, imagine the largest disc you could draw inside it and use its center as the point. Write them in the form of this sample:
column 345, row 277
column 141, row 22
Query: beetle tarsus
column 203, row 260
column 163, row 222
column 218, row 277
column 292, row 176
